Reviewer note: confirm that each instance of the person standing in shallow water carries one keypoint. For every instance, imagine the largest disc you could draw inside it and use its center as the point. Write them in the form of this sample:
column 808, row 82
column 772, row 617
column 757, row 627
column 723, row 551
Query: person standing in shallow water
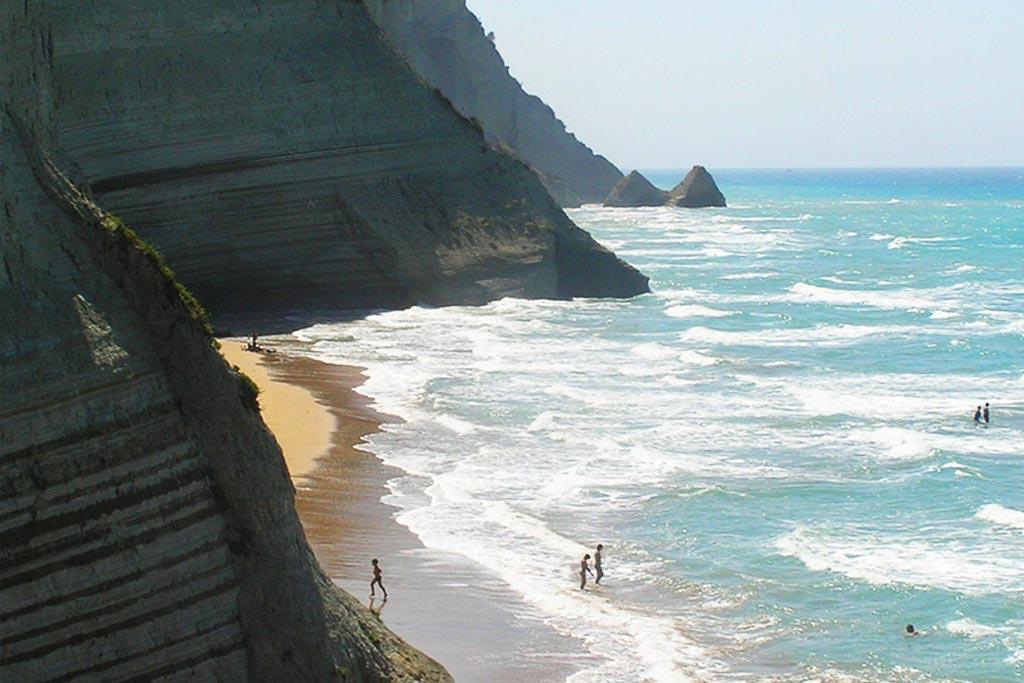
column 977, row 415
column 984, row 413
column 584, row 570
column 377, row 575
column 597, row 564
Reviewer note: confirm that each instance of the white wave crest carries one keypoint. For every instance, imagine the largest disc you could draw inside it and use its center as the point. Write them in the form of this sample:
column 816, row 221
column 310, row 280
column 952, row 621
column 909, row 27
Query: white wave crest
column 542, row 422
column 943, row 315
column 820, row 335
column 695, row 311
column 697, row 358
column 1002, row 516
column 749, row 276
column 880, row 298
column 897, row 444
column 461, row 427
column 653, row 351
column 972, row 629
column 932, row 563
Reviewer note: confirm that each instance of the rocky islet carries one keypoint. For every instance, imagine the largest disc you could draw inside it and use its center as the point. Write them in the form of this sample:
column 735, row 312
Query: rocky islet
column 696, row 190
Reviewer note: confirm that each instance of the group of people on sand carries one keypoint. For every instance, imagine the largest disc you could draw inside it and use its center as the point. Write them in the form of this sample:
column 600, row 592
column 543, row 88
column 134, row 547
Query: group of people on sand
column 981, row 414
column 252, row 345
column 585, row 567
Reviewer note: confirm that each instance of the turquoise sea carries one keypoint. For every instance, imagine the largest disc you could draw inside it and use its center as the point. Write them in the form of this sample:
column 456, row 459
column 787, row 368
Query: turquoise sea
column 775, row 445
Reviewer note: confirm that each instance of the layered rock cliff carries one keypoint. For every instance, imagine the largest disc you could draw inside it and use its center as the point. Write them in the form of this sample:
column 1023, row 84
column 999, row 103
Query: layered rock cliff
column 635, row 190
column 446, row 44
column 147, row 529
column 281, row 155
column 696, row 190
column 147, row 526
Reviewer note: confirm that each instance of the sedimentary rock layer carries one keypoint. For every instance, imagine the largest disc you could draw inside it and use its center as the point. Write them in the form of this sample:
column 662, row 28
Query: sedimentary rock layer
column 635, row 190
column 147, row 526
column 446, row 44
column 281, row 155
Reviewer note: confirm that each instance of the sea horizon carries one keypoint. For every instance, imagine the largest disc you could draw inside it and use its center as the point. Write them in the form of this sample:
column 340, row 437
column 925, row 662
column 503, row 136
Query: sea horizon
column 718, row 169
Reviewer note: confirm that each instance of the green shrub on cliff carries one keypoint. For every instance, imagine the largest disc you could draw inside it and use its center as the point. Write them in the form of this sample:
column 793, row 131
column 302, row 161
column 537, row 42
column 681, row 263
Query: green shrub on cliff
column 116, row 226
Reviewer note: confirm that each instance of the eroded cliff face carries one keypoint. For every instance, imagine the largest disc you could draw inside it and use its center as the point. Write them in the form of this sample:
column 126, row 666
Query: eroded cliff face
column 147, row 526
column 281, row 155
column 146, row 519
column 446, row 44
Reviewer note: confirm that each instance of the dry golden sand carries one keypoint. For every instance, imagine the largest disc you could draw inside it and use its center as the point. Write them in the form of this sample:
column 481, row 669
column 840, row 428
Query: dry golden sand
column 443, row 604
column 302, row 426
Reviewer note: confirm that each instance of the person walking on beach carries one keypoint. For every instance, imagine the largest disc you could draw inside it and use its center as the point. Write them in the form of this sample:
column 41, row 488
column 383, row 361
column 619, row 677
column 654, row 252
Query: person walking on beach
column 584, row 570
column 977, row 416
column 984, row 413
column 377, row 574
column 597, row 564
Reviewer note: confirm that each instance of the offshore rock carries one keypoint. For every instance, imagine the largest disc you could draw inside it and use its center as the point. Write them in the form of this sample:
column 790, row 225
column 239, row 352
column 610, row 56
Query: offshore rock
column 281, row 155
column 635, row 190
column 445, row 43
column 696, row 190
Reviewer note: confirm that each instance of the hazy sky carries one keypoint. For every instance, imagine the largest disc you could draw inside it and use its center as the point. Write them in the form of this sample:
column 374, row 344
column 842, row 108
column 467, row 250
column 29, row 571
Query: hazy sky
column 734, row 83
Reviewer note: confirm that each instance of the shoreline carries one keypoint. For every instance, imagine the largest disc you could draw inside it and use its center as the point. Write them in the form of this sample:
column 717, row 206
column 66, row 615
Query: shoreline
column 445, row 604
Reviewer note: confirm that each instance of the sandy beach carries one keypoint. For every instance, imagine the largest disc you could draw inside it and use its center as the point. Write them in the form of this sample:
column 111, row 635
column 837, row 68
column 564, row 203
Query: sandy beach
column 444, row 604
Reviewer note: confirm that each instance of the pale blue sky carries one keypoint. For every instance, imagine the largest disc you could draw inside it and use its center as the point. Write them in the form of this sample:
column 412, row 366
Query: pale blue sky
column 735, row 83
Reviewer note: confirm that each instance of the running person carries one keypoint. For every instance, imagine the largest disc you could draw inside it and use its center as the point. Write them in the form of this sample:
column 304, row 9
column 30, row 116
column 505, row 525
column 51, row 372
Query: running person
column 377, row 574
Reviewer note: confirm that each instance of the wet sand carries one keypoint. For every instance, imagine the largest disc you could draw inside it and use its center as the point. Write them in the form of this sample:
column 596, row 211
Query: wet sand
column 442, row 603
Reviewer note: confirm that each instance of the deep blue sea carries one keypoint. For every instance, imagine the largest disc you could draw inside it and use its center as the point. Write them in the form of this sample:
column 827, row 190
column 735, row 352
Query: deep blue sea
column 775, row 446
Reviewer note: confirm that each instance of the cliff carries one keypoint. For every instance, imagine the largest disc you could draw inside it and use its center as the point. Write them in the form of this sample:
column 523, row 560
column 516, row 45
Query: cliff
column 635, row 190
column 697, row 189
column 147, row 526
column 281, row 155
column 446, row 44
